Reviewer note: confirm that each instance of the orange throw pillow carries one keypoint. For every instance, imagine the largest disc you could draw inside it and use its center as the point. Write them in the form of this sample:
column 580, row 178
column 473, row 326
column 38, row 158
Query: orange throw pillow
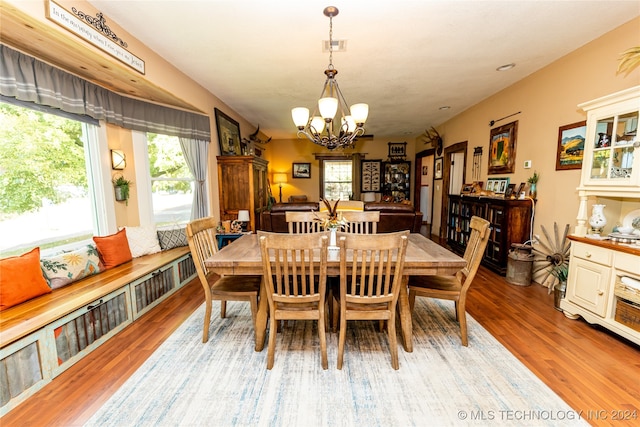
column 113, row 249
column 21, row 279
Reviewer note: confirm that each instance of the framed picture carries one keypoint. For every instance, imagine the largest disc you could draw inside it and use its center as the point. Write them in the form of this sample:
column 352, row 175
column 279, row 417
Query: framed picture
column 301, row 170
column 502, row 149
column 571, row 145
column 371, row 176
column 466, row 189
column 228, row 134
column 437, row 170
column 397, row 150
column 498, row 185
column 519, row 190
column 425, row 170
column 510, row 191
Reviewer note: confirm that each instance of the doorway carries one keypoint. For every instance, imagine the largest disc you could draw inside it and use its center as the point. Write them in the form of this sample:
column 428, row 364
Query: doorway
column 453, row 175
column 423, row 187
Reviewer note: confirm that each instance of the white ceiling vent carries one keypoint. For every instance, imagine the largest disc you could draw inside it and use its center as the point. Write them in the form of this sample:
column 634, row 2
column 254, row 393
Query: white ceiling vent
column 338, row 45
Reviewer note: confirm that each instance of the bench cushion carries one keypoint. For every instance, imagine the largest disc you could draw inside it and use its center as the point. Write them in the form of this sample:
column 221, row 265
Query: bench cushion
column 21, row 279
column 142, row 240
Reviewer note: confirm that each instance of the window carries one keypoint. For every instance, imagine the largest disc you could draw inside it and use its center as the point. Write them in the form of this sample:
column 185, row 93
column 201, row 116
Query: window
column 337, row 179
column 172, row 183
column 47, row 196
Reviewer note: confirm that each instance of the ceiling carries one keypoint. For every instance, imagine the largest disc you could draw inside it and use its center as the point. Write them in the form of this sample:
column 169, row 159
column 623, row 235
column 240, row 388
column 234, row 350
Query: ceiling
column 406, row 59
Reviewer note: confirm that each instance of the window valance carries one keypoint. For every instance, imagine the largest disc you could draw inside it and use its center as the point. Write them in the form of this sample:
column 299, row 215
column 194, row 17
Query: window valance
column 27, row 79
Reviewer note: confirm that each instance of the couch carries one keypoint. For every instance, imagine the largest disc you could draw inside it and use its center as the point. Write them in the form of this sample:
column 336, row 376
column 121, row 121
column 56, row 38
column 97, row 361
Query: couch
column 393, row 216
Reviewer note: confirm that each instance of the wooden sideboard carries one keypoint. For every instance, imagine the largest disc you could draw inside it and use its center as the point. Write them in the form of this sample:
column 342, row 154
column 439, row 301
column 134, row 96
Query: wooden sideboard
column 510, row 223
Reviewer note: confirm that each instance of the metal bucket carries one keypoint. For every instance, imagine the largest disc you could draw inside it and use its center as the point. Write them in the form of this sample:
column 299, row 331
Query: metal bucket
column 520, row 264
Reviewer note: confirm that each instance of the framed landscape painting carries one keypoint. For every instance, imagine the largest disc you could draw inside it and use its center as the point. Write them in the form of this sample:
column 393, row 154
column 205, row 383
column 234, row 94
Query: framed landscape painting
column 571, row 145
column 502, row 149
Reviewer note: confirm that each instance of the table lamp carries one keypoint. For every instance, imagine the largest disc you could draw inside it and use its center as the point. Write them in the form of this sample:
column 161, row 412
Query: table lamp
column 280, row 178
column 244, row 218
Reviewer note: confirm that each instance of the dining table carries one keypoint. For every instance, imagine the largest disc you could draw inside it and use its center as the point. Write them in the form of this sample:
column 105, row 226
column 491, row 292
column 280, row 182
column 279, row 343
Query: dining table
column 423, row 257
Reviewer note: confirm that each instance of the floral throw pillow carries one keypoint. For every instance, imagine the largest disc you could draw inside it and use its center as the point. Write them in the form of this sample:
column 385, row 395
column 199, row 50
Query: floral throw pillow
column 67, row 267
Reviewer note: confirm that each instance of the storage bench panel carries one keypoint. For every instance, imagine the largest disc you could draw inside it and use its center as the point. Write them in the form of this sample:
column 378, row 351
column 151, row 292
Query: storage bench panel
column 151, row 289
column 23, row 370
column 186, row 269
column 85, row 329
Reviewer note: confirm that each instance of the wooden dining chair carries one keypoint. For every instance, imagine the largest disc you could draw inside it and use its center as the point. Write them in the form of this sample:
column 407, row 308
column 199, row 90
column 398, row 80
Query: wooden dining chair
column 201, row 235
column 304, row 222
column 365, row 222
column 371, row 269
column 295, row 282
column 455, row 287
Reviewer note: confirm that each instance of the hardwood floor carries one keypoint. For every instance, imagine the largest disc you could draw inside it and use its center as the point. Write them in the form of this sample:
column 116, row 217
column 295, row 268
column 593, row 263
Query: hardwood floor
column 593, row 371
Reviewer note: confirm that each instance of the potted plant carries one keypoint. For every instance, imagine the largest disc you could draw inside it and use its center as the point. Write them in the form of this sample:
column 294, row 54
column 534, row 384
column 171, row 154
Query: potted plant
column 560, row 272
column 533, row 181
column 121, row 186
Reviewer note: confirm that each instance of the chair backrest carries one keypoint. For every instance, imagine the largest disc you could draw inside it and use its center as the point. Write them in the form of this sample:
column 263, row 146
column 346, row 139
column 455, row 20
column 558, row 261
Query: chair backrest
column 201, row 235
column 371, row 266
column 362, row 222
column 476, row 245
column 294, row 266
column 304, row 222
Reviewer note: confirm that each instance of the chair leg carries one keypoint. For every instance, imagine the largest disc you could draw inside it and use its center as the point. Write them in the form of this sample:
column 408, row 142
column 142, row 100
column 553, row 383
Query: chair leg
column 207, row 318
column 462, row 319
column 457, row 307
column 393, row 341
column 342, row 339
column 323, row 340
column 272, row 342
column 223, row 309
column 336, row 315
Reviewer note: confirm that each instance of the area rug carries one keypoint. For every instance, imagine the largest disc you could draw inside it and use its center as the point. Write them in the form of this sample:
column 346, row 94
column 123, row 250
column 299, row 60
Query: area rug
column 225, row 382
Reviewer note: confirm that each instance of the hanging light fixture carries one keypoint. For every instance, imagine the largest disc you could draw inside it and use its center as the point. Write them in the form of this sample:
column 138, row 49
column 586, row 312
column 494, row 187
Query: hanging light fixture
column 323, row 128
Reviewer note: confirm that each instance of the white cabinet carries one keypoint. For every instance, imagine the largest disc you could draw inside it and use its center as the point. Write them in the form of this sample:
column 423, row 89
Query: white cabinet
column 590, row 277
column 595, row 270
column 611, row 163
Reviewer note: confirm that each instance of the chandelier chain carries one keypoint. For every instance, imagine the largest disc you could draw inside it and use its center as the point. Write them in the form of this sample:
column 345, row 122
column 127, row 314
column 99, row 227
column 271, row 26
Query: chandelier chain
column 331, row 42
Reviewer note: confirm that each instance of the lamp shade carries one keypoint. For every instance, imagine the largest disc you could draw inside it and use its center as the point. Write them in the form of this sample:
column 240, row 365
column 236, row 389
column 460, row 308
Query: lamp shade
column 300, row 116
column 328, row 107
column 243, row 216
column 359, row 112
column 317, row 123
column 118, row 161
column 369, row 197
column 279, row 178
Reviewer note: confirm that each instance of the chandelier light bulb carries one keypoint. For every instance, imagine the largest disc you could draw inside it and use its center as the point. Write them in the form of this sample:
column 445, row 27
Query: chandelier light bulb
column 360, row 112
column 328, row 107
column 317, row 124
column 300, row 116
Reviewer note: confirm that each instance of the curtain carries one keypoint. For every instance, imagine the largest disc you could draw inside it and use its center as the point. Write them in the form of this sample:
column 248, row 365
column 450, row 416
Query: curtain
column 196, row 154
column 27, row 79
column 356, row 177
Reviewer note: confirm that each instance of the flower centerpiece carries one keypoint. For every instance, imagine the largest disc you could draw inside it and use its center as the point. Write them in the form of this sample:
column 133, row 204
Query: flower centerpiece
column 334, row 219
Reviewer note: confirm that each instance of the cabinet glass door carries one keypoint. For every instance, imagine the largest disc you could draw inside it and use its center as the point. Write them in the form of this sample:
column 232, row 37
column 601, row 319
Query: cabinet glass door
column 613, row 146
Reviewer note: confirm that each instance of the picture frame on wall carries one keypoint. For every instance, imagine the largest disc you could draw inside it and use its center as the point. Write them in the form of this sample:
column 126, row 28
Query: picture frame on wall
column 301, row 170
column 502, row 149
column 571, row 139
column 397, row 150
column 228, row 134
column 437, row 168
column 371, row 181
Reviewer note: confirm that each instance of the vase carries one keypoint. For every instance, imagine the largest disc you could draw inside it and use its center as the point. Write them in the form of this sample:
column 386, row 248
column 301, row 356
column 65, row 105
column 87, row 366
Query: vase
column 597, row 221
column 333, row 237
column 558, row 294
column 533, row 190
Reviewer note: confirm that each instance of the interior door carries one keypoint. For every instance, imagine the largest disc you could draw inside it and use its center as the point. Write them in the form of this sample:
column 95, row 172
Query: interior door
column 456, row 175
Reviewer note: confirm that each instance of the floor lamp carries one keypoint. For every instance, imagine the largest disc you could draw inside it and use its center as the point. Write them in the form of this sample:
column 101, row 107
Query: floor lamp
column 280, row 178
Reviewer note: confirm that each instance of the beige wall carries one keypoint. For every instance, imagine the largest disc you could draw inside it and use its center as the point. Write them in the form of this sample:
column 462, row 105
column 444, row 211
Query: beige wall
column 547, row 99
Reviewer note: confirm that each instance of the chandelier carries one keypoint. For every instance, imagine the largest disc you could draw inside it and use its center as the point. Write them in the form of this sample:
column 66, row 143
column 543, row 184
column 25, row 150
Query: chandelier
column 323, row 128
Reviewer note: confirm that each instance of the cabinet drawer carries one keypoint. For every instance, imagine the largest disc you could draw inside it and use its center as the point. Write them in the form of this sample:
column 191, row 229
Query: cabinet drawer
column 592, row 253
column 627, row 262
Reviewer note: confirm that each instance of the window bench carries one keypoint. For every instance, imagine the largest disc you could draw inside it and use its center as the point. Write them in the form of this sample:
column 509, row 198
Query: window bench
column 44, row 336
